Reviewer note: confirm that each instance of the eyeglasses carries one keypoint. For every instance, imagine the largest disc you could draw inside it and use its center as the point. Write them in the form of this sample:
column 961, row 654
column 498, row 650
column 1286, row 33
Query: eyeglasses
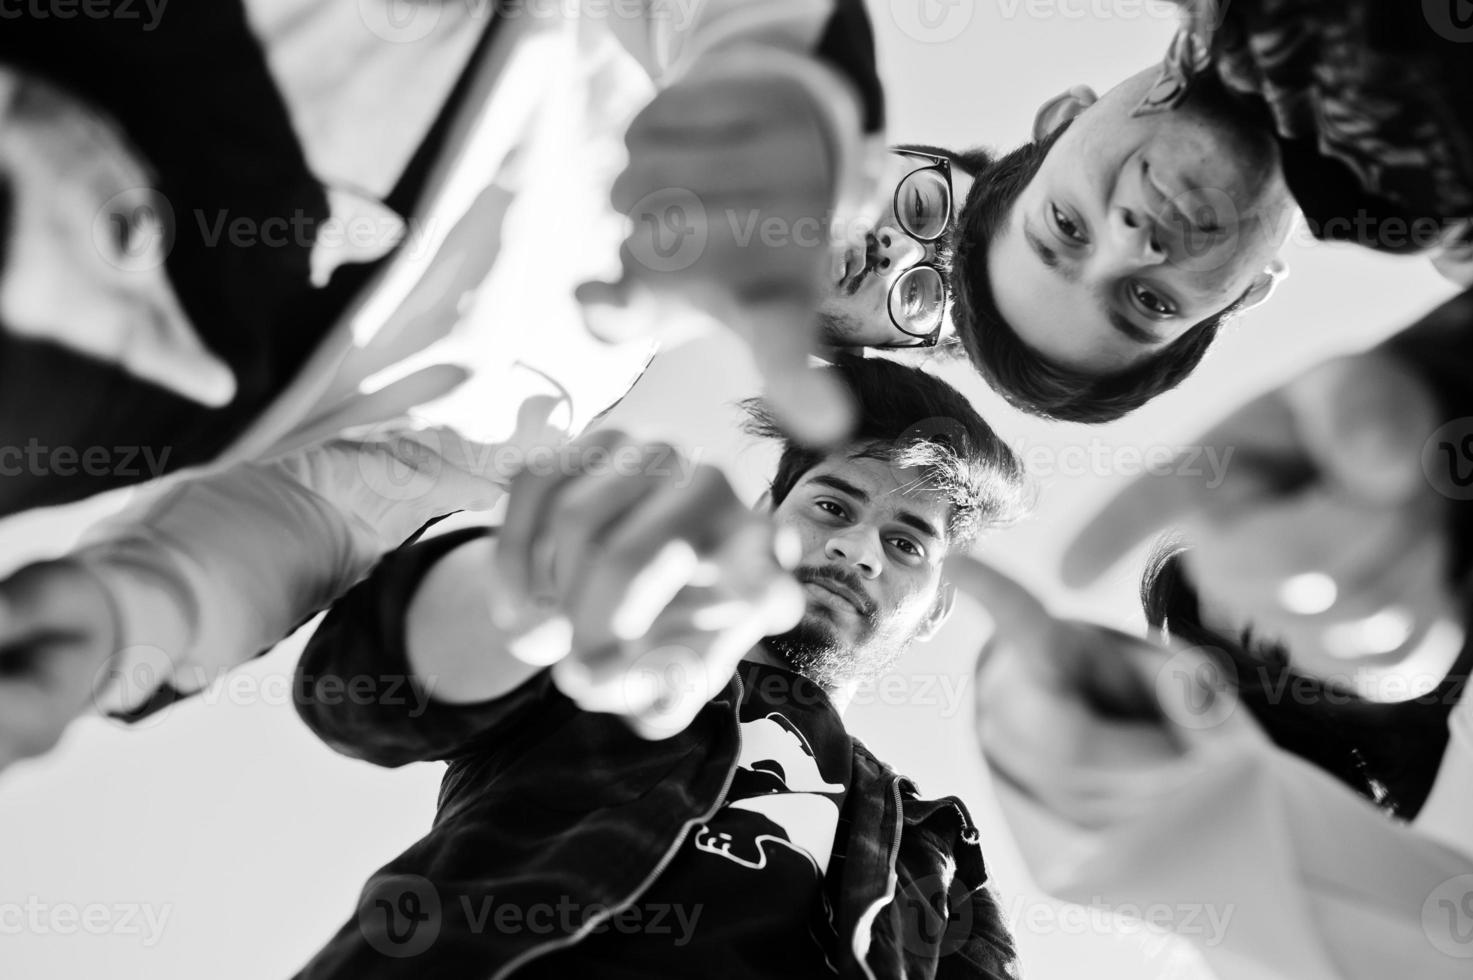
column 923, row 209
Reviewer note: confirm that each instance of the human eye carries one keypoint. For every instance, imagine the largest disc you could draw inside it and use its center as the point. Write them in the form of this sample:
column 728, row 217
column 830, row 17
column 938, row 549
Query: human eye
column 1151, row 301
column 1068, row 227
column 918, row 207
column 831, row 508
column 912, row 296
column 907, row 547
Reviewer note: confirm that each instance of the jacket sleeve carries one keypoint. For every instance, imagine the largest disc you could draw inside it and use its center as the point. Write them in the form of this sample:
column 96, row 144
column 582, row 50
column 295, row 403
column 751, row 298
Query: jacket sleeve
column 357, row 691
column 222, row 567
column 988, row 952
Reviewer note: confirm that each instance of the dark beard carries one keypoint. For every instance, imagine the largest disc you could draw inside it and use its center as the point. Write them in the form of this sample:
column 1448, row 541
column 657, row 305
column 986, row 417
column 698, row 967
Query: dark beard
column 814, row 649
column 834, row 332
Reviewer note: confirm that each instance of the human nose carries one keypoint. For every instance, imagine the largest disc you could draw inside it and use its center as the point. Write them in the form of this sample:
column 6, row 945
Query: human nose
column 893, row 251
column 857, row 548
column 1135, row 237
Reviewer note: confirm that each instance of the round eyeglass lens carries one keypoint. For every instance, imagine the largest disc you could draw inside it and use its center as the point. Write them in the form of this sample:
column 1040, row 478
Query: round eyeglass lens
column 923, row 204
column 918, row 301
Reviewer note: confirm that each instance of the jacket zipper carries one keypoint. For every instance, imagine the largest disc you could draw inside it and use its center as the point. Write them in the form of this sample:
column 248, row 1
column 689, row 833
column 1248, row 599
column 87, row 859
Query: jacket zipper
column 659, row 869
column 867, row 920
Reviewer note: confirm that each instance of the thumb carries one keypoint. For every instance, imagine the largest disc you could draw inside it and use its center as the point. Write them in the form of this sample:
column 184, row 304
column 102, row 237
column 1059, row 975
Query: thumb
column 812, row 406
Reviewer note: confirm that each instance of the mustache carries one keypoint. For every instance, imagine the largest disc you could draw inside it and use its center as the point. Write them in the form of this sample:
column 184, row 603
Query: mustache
column 848, row 582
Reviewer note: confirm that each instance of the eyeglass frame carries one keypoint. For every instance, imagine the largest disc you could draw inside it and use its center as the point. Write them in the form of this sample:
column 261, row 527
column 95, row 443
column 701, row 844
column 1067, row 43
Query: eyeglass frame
column 942, row 164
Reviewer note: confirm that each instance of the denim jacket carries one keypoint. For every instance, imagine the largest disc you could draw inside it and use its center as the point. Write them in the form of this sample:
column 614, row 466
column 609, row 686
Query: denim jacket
column 545, row 805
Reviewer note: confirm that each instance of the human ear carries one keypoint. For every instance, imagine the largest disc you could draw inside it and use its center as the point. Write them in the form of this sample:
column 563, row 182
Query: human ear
column 1264, row 285
column 1062, row 109
column 939, row 612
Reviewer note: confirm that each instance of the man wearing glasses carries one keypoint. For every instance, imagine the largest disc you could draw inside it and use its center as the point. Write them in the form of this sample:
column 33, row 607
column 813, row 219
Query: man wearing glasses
column 893, row 292
column 224, row 566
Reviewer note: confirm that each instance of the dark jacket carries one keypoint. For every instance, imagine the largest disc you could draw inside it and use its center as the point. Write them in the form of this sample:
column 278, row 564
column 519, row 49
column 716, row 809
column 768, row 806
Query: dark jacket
column 1369, row 100
column 545, row 804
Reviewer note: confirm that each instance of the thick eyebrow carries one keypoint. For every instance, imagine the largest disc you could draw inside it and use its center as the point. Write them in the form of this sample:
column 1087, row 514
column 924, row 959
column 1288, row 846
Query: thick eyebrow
column 918, row 523
column 1130, row 329
column 842, row 485
column 1048, row 256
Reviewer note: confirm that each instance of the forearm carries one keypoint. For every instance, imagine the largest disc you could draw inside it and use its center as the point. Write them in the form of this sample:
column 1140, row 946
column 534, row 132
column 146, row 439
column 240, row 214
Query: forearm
column 407, row 667
column 222, row 567
column 452, row 645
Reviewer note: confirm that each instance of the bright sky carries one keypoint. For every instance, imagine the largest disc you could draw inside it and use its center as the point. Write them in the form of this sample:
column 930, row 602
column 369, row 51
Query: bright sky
column 234, row 844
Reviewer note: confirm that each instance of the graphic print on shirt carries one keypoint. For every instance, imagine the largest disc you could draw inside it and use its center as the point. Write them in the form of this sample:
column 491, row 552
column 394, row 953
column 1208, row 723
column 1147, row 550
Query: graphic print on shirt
column 778, row 778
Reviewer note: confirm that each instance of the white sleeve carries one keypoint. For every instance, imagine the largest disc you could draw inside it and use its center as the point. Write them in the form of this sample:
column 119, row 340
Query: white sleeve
column 222, row 567
column 1271, row 868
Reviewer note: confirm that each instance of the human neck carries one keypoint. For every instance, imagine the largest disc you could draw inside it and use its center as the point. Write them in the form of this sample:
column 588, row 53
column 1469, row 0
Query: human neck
column 839, row 695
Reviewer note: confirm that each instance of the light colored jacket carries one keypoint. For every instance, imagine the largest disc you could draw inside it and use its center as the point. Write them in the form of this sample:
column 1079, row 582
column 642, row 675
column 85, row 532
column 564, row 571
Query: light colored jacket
column 461, row 355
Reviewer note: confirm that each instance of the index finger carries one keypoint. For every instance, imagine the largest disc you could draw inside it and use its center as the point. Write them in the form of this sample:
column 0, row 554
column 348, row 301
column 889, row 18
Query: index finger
column 1018, row 616
column 1252, row 454
column 1133, row 515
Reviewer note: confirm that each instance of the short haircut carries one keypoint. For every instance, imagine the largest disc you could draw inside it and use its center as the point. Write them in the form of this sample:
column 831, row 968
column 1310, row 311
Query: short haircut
column 911, row 418
column 1389, row 753
column 1028, row 380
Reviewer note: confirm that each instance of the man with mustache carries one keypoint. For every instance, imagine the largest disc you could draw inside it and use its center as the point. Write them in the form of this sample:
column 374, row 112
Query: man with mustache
column 614, row 602
column 165, row 598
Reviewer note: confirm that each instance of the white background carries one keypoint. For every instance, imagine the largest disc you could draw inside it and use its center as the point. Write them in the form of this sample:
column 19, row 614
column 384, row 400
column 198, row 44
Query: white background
column 253, row 839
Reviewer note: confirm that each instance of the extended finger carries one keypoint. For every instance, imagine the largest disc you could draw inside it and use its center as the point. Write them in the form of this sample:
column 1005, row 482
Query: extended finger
column 529, row 501
column 586, row 511
column 651, row 556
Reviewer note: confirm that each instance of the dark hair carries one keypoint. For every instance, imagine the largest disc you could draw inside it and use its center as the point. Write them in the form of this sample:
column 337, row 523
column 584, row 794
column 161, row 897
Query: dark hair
column 1020, row 374
column 1386, row 752
column 911, row 418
